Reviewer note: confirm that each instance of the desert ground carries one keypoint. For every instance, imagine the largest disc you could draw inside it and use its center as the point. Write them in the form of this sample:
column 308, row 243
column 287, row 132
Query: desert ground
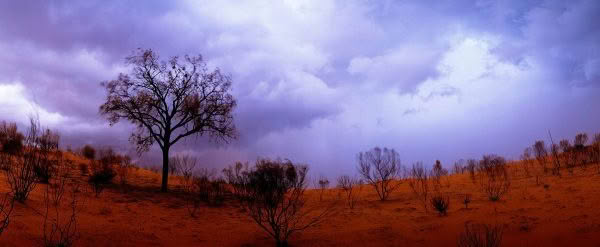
column 555, row 211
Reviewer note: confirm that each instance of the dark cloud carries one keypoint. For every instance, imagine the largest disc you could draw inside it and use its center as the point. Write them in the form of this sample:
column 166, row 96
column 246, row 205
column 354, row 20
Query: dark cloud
column 319, row 81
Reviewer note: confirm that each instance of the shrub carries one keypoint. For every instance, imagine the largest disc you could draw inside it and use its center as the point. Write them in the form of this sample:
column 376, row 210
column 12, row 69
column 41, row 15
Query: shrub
column 50, row 156
column 440, row 204
column 234, row 177
column 100, row 178
column 88, row 152
column 419, row 183
column 436, row 175
column 83, row 168
column 467, row 200
column 6, row 207
column 351, row 186
column 21, row 174
column 273, row 196
column 11, row 140
column 458, row 167
column 123, row 167
column 478, row 235
column 541, row 153
column 379, row 168
column 494, row 178
column 60, row 226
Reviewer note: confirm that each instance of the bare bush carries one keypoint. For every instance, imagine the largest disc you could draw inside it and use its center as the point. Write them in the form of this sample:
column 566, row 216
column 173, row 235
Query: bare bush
column 234, row 177
column 458, row 167
column 579, row 149
column 493, row 176
column 527, row 161
column 323, row 184
column 273, row 196
column 479, row 235
column 123, row 166
column 351, row 186
column 379, row 168
column 419, row 183
column 185, row 165
column 60, row 229
column 441, row 204
column 471, row 166
column 554, row 149
column 467, row 200
column 103, row 171
column 88, row 152
column 11, row 140
column 437, row 172
column 20, row 173
column 6, row 207
column 50, row 156
column 541, row 153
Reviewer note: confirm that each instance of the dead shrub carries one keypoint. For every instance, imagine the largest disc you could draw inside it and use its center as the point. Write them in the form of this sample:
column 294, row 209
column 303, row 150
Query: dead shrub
column 493, row 176
column 541, row 153
column 273, row 196
column 20, row 172
column 379, row 168
column 480, row 235
column 419, row 184
column 437, row 172
column 50, row 156
column 11, row 140
column 60, row 226
column 6, row 207
column 234, row 177
column 441, row 204
column 351, row 186
column 467, row 200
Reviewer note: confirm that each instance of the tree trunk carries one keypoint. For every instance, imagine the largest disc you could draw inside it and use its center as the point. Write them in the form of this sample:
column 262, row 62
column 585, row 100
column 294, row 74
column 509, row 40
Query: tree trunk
column 165, row 170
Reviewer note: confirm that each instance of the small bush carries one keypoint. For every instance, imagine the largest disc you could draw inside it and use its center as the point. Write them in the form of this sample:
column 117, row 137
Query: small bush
column 440, row 204
column 494, row 178
column 88, row 152
column 419, row 183
column 83, row 168
column 323, row 184
column 6, row 207
column 467, row 200
column 20, row 172
column 478, row 235
column 102, row 175
column 11, row 141
column 351, row 186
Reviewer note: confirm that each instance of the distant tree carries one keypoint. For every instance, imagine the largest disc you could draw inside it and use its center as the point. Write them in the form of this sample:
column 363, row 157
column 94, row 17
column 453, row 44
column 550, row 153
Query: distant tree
column 323, row 184
column 580, row 150
column 527, row 160
column 379, row 168
column 596, row 151
column 471, row 166
column 437, row 172
column 168, row 101
column 459, row 167
column 580, row 140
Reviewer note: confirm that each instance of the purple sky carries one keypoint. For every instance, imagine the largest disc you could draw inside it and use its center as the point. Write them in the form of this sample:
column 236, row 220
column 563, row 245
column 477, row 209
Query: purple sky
column 319, row 81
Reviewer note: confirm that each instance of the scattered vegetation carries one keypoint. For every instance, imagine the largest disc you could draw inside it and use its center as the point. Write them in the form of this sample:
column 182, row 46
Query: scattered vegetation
column 20, row 171
column 60, row 229
column 6, row 207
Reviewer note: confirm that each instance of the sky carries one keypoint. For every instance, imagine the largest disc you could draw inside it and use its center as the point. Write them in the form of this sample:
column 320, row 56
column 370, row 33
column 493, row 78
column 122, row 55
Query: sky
column 320, row 81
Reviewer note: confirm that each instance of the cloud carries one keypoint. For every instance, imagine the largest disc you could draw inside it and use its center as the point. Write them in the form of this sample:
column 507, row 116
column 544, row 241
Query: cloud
column 319, row 81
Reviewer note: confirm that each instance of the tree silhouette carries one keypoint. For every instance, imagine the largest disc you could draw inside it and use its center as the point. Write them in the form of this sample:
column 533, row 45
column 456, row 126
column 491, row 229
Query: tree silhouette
column 170, row 100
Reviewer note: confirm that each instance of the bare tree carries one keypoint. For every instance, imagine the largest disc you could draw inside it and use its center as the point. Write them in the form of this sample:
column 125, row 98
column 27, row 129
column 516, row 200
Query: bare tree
column 351, row 186
column 234, row 175
column 273, row 196
column 168, row 101
column 419, row 183
column 379, row 168
column 580, row 150
column 471, row 165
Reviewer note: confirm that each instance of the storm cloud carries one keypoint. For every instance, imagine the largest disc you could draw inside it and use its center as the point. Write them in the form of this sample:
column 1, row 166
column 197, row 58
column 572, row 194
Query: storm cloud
column 319, row 81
